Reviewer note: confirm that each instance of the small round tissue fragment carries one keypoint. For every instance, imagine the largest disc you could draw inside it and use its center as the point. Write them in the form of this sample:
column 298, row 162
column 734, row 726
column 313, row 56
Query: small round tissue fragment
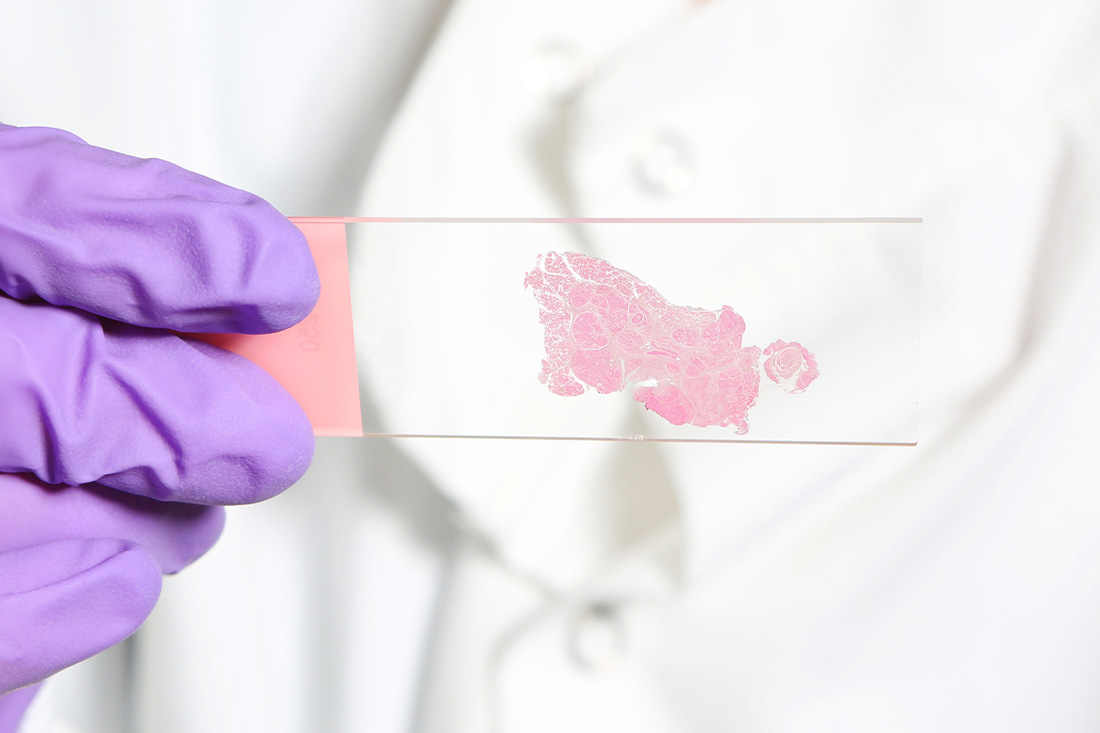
column 790, row 365
column 607, row 330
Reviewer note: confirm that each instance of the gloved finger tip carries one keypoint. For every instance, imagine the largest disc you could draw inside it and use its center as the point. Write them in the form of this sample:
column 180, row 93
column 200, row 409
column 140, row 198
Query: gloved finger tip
column 281, row 460
column 175, row 533
column 203, row 530
column 284, row 283
column 281, row 445
column 69, row 600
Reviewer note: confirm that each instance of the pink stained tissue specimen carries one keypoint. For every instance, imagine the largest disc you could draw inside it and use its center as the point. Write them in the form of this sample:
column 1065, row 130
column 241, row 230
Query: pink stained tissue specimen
column 608, row 330
column 791, row 366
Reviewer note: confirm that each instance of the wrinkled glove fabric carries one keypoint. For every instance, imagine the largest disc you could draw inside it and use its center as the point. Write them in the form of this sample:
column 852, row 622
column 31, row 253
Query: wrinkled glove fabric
column 119, row 438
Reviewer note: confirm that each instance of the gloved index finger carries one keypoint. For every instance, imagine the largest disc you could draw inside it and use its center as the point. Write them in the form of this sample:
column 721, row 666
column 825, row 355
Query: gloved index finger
column 144, row 241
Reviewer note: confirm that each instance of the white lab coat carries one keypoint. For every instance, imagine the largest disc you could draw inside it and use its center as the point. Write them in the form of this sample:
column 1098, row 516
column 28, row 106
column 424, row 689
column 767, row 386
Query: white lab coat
column 696, row 588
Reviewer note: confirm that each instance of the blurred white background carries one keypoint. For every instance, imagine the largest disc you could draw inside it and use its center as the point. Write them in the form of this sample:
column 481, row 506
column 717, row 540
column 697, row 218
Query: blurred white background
column 408, row 587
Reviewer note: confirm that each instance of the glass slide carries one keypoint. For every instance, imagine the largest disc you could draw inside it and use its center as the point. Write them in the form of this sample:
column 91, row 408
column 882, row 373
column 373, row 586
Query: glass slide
column 766, row 330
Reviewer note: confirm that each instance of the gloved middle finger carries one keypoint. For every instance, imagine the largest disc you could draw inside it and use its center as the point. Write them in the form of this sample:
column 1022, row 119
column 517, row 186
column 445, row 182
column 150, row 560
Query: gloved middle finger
column 84, row 400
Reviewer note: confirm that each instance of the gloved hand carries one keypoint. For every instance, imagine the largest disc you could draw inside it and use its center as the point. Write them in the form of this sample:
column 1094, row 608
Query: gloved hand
column 116, row 434
column 80, row 568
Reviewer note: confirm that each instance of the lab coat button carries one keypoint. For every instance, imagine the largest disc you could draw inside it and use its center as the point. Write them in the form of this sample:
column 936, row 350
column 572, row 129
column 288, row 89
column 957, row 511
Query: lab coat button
column 662, row 163
column 597, row 639
column 557, row 68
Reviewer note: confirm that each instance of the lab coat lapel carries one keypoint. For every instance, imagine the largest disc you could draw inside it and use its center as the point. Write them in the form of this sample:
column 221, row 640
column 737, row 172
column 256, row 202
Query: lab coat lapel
column 782, row 120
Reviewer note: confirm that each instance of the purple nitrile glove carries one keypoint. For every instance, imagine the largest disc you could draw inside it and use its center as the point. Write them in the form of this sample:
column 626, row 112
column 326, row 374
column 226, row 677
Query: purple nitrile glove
column 13, row 705
column 84, row 398
column 80, row 569
column 98, row 253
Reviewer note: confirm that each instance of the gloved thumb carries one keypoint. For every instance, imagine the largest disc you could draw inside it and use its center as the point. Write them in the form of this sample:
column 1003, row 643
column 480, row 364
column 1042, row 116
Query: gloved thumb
column 65, row 601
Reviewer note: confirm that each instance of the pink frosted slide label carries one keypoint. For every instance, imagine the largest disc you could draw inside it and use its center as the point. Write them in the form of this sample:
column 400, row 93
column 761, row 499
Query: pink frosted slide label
column 314, row 360
column 606, row 329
